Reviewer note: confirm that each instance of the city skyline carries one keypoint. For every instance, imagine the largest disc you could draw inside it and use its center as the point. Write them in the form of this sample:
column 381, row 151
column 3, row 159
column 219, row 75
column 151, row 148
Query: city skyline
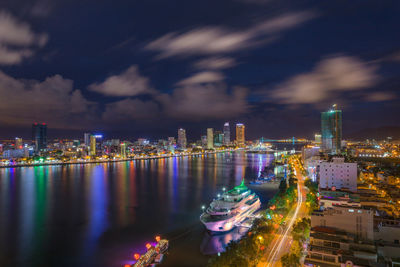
column 199, row 133
column 150, row 79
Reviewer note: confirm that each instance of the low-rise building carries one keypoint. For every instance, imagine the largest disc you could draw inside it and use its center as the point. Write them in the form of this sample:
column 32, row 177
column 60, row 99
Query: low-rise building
column 353, row 220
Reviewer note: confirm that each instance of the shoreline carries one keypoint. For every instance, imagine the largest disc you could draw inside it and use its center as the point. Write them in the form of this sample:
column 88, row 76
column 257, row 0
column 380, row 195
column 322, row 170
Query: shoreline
column 109, row 160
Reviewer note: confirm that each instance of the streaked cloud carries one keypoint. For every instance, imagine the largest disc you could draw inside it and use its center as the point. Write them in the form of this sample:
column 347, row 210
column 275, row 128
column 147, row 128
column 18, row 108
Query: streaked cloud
column 330, row 76
column 128, row 83
column 379, row 96
column 221, row 40
column 128, row 109
column 215, row 63
column 17, row 40
column 203, row 77
column 205, row 101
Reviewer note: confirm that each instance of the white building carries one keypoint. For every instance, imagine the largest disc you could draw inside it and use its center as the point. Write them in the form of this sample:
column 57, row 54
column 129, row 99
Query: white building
column 338, row 174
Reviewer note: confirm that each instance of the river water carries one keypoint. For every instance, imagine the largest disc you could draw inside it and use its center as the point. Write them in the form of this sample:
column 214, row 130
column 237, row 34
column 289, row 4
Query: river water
column 101, row 214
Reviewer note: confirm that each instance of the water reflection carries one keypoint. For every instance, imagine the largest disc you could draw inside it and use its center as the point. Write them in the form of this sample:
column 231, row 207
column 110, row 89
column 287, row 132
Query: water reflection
column 213, row 244
column 100, row 214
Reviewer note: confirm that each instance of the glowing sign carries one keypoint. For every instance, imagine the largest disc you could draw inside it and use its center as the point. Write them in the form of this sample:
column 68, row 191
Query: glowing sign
column 98, row 136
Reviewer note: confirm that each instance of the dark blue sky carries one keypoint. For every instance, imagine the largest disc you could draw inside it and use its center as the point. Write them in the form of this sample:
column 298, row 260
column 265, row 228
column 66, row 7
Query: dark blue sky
column 145, row 68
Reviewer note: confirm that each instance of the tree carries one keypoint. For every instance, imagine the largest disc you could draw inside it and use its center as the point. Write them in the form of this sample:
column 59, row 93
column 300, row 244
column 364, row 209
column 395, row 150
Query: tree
column 312, row 186
column 282, row 187
column 290, row 260
column 301, row 230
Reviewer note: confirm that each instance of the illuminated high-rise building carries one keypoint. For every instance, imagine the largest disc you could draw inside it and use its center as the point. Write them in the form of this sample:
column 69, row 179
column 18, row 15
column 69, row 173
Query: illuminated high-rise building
column 331, row 126
column 318, row 139
column 18, row 143
column 204, row 141
column 218, row 138
column 182, row 141
column 227, row 133
column 92, row 148
column 86, row 139
column 123, row 150
column 240, row 137
column 210, row 138
column 39, row 136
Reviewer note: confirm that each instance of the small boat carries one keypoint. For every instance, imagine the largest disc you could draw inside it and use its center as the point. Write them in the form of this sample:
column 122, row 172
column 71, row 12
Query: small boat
column 154, row 254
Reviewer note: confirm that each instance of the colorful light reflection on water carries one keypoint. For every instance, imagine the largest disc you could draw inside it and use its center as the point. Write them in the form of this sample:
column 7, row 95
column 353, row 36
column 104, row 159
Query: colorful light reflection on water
column 101, row 214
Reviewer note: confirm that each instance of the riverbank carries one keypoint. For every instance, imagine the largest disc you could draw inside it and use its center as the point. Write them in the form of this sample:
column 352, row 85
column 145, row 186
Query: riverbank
column 109, row 160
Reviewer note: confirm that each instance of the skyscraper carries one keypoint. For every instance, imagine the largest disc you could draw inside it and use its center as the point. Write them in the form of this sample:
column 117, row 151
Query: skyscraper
column 18, row 143
column 204, row 141
column 39, row 136
column 331, row 126
column 210, row 138
column 86, row 139
column 240, row 139
column 123, row 150
column 317, row 139
column 218, row 138
column 182, row 141
column 92, row 149
column 227, row 133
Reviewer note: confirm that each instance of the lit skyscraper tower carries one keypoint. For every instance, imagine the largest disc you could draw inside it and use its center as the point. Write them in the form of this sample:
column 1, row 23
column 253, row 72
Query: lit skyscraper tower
column 182, row 142
column 92, row 149
column 240, row 139
column 39, row 136
column 18, row 143
column 227, row 133
column 210, row 138
column 86, row 138
column 331, row 126
column 318, row 139
column 123, row 150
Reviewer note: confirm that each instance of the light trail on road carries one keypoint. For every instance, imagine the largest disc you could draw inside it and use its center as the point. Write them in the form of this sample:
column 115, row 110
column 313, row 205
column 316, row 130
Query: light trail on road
column 283, row 239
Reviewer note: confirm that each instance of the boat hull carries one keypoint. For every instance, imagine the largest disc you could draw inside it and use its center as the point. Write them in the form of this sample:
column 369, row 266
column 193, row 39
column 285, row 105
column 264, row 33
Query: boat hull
column 228, row 224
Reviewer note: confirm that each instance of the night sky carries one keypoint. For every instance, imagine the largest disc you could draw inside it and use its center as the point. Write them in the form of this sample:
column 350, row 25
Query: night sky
column 134, row 69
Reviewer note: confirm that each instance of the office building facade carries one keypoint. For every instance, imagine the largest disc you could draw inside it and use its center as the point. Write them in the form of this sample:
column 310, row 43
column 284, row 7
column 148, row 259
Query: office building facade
column 92, row 148
column 240, row 134
column 39, row 136
column 331, row 128
column 182, row 141
column 210, row 138
column 227, row 133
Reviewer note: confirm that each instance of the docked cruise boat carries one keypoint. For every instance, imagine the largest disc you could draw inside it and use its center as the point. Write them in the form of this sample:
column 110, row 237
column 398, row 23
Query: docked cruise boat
column 230, row 209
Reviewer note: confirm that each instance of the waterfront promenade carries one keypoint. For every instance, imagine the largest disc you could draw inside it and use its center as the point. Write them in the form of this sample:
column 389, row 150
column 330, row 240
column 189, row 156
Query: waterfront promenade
column 87, row 161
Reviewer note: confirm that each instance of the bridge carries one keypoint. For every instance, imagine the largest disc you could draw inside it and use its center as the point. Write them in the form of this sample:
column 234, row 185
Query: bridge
column 292, row 140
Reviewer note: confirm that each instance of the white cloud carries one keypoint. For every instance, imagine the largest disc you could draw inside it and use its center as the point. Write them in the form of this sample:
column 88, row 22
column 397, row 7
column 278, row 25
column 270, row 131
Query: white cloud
column 53, row 100
column 330, row 76
column 203, row 77
column 215, row 63
column 17, row 41
column 128, row 83
column 220, row 40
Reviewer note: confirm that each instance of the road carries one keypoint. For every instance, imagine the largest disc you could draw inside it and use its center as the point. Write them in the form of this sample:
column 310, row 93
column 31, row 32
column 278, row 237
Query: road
column 282, row 239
